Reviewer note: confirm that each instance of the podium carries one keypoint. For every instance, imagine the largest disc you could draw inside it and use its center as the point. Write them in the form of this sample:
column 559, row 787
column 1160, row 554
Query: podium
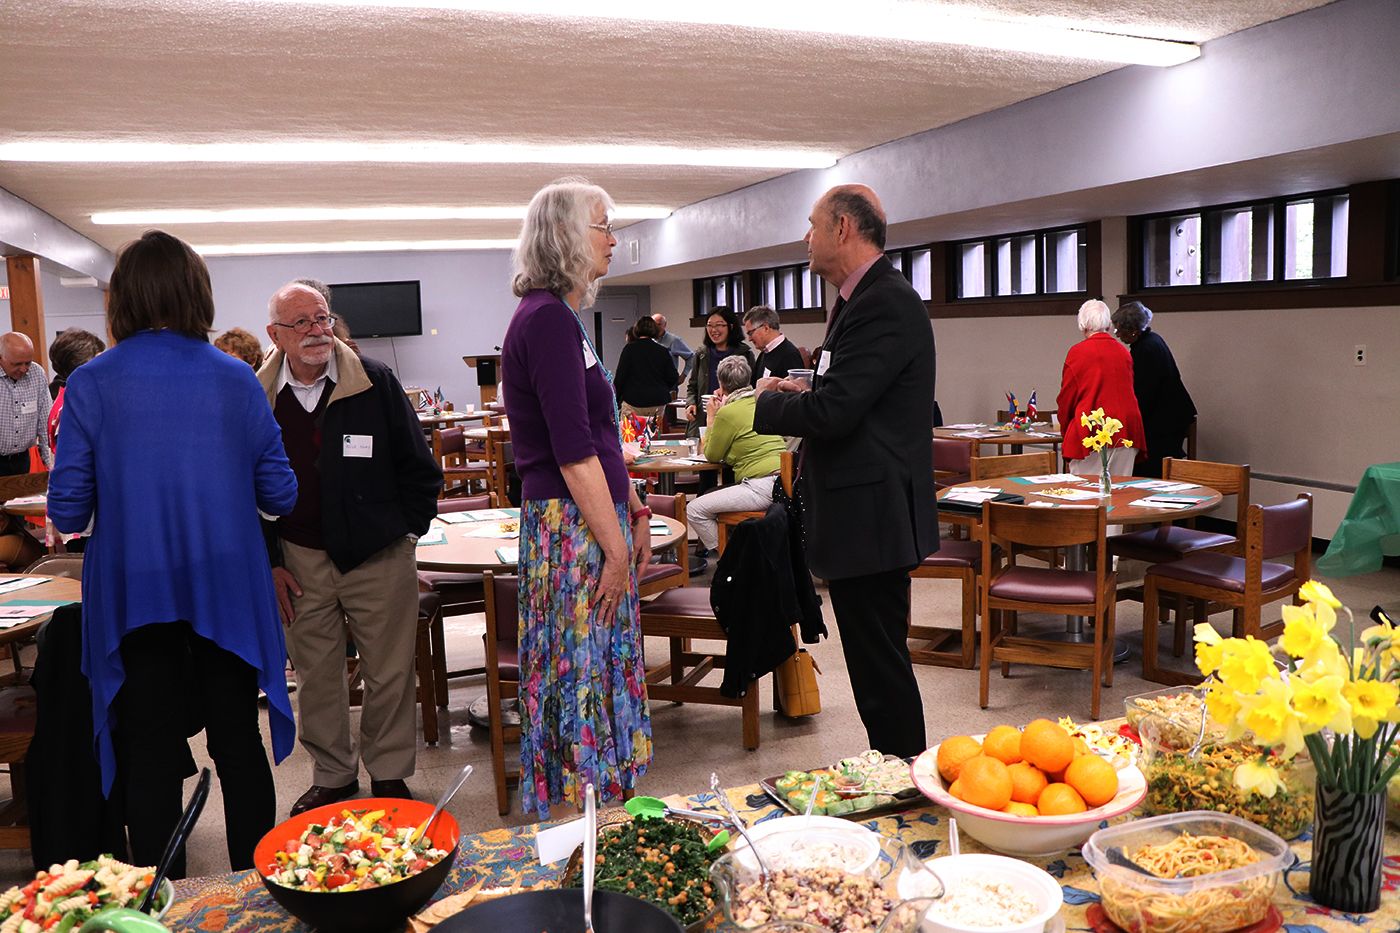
column 488, row 369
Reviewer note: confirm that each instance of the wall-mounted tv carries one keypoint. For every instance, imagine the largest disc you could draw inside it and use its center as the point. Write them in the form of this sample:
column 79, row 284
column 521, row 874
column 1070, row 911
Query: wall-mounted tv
column 379, row 309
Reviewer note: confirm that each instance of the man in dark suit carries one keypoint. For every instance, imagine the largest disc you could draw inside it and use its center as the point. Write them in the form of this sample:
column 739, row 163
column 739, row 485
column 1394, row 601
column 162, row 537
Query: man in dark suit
column 777, row 354
column 866, row 465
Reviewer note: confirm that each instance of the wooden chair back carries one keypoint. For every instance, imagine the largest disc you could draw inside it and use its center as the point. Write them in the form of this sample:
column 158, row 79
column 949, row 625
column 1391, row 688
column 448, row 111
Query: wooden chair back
column 23, row 484
column 500, row 457
column 449, row 446
column 806, row 355
column 672, row 507
column 502, row 681
column 1018, row 527
column 1034, row 464
column 1231, row 479
column 464, row 504
column 787, row 471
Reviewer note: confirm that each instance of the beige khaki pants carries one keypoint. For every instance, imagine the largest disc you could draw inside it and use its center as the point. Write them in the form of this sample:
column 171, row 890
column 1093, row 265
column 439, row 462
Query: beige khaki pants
column 379, row 602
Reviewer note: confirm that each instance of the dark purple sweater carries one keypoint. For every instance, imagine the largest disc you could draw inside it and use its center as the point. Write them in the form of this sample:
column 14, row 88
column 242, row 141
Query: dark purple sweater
column 561, row 410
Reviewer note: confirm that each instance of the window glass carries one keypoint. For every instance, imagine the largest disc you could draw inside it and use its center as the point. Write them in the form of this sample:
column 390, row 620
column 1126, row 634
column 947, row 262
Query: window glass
column 921, row 272
column 1172, row 251
column 1016, row 265
column 972, row 283
column 1066, row 261
column 1241, row 244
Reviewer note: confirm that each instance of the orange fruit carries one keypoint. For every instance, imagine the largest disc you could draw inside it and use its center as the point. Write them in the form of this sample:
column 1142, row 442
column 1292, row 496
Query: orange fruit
column 986, row 782
column 1016, row 808
column 955, row 789
column 1046, row 745
column 953, row 752
column 1059, row 800
column 1094, row 778
column 1027, row 781
column 1004, row 744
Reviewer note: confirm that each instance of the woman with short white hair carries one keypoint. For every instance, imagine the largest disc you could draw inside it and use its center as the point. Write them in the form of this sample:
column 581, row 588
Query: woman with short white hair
column 1098, row 373
column 584, row 533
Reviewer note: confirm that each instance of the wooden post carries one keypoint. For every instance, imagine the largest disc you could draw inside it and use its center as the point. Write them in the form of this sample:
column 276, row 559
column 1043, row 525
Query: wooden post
column 27, row 304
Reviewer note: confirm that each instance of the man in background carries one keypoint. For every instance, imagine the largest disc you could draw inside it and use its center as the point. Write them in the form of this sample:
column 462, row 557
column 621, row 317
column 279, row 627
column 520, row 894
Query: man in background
column 24, row 403
column 777, row 355
column 675, row 346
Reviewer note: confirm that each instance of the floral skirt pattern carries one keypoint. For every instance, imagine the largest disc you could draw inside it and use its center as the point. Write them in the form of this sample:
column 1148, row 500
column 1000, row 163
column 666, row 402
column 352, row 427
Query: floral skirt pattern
column 583, row 703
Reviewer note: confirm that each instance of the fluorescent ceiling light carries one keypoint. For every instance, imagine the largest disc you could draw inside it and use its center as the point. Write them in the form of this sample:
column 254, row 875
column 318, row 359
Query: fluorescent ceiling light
column 409, row 152
column 258, row 215
column 351, row 246
column 893, row 20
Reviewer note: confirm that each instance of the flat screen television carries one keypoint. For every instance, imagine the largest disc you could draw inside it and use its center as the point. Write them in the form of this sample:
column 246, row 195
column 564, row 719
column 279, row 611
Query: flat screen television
column 379, row 309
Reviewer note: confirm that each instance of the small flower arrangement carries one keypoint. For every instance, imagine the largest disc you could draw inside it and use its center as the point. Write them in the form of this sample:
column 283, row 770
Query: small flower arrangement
column 1351, row 689
column 1100, row 439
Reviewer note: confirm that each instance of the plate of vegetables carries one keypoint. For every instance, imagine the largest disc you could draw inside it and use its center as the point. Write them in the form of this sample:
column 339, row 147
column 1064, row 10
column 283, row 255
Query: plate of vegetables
column 853, row 787
column 65, row 896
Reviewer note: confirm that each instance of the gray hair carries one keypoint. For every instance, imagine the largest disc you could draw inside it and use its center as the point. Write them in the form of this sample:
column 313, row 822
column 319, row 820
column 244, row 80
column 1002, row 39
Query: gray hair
column 759, row 315
column 734, row 374
column 553, row 252
column 317, row 285
column 1094, row 317
column 1132, row 316
column 286, row 291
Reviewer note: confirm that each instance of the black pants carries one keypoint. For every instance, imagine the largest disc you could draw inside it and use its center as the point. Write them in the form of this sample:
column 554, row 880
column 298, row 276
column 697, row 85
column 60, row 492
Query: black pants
column 14, row 464
column 153, row 718
column 872, row 613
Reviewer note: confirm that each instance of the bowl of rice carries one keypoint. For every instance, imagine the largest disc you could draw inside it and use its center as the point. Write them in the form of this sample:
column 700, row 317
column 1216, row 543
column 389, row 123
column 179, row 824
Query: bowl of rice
column 991, row 894
column 812, row 842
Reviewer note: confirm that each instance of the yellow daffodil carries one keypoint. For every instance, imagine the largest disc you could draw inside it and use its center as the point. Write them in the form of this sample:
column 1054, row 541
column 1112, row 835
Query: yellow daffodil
column 1084, row 420
column 1223, row 704
column 1384, row 638
column 1321, row 704
column 1304, row 628
column 1270, row 716
column 1096, row 414
column 1325, row 660
column 1209, row 648
column 1372, row 701
column 1315, row 592
column 1089, row 441
column 1246, row 663
column 1258, row 777
column 1127, row 443
column 1112, row 425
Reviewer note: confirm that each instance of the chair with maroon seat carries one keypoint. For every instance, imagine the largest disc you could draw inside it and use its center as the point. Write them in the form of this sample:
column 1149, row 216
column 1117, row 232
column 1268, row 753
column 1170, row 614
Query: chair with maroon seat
column 806, row 355
column 461, row 594
column 1009, row 588
column 663, row 576
column 458, row 471
column 1242, row 584
column 952, row 461
column 954, row 560
column 501, row 641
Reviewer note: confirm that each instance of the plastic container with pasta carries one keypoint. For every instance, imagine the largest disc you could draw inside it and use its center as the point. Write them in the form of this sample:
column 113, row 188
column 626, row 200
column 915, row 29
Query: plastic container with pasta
column 1196, row 897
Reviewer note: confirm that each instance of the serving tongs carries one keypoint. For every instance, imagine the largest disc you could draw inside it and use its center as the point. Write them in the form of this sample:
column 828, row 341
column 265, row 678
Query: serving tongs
column 763, row 873
column 590, row 854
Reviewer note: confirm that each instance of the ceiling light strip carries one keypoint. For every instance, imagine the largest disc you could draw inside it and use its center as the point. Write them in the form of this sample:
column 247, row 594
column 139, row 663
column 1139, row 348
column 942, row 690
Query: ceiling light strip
column 258, row 215
column 351, row 246
column 102, row 151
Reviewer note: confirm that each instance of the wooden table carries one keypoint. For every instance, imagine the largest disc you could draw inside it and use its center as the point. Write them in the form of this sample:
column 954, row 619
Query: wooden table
column 26, row 509
column 445, row 418
column 666, row 468
column 1014, row 439
column 479, row 434
column 1121, row 512
column 53, row 589
column 475, row 555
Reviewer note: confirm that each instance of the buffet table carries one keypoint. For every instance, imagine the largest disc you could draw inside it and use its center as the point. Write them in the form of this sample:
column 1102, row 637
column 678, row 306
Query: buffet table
column 237, row 903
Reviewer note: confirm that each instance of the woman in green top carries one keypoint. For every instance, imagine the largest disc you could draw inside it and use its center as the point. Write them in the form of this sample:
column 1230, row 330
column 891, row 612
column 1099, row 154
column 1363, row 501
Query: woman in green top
column 730, row 439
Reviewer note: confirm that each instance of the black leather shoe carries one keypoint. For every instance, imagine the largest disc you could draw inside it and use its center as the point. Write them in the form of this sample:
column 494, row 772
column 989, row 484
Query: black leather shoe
column 319, row 796
column 395, row 788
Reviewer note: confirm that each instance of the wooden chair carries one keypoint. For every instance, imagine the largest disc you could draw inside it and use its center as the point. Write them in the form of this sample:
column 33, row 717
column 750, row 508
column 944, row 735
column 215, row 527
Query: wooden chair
column 23, row 484
column 952, row 461
column 500, row 460
column 502, row 676
column 1039, row 463
column 663, row 576
column 954, row 560
column 458, row 472
column 786, row 476
column 1242, row 584
column 460, row 594
column 1008, row 588
column 18, row 717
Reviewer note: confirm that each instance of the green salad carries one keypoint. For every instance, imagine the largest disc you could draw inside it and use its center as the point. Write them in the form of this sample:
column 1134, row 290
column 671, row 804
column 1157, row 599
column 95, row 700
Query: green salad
column 660, row 861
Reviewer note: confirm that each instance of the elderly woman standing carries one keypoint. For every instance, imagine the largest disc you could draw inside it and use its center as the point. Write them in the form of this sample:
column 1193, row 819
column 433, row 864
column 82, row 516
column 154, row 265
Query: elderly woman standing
column 1098, row 374
column 1167, row 408
column 584, row 534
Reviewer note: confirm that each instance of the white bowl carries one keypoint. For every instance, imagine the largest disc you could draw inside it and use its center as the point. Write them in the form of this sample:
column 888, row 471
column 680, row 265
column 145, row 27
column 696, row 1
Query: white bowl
column 1028, row 879
column 1026, row 835
column 859, row 847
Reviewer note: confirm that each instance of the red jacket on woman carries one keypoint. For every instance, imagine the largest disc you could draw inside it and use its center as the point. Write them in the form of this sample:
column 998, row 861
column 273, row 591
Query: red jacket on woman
column 1098, row 374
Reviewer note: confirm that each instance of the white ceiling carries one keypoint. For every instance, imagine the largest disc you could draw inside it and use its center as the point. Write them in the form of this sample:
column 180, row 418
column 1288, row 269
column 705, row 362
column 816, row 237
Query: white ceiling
column 222, row 71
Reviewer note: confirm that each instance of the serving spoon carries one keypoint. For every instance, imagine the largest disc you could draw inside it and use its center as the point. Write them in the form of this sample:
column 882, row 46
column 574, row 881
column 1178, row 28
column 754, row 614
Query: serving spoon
column 590, row 854
column 177, row 838
column 654, row 808
column 447, row 795
column 763, row 872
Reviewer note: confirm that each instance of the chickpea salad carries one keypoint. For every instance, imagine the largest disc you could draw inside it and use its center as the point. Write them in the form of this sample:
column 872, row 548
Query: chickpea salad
column 356, row 850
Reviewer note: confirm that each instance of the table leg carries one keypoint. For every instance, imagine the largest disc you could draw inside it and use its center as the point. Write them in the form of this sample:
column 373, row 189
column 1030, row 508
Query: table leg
column 665, row 484
column 1077, row 627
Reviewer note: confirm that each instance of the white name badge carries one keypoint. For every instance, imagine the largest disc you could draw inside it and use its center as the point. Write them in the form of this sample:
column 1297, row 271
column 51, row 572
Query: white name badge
column 357, row 445
column 28, row 408
column 589, row 360
column 825, row 363
column 766, row 373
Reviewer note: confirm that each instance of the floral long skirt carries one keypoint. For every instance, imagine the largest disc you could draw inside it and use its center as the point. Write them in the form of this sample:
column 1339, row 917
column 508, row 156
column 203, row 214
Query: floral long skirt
column 583, row 703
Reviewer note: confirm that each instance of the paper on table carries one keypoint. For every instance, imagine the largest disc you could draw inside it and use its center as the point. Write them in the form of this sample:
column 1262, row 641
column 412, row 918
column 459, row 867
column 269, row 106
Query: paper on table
column 1162, row 485
column 39, row 499
column 658, row 528
column 435, row 535
column 1152, row 502
column 453, row 518
column 10, row 584
column 508, row 555
column 1059, row 505
column 490, row 530
column 977, row 434
column 964, row 427
column 1051, row 478
column 27, row 611
column 971, row 494
column 558, row 842
column 491, row 515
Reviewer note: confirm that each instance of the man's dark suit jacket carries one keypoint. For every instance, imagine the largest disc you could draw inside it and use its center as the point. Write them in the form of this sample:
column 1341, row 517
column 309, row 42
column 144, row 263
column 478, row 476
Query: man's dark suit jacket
column 784, row 357
column 867, row 454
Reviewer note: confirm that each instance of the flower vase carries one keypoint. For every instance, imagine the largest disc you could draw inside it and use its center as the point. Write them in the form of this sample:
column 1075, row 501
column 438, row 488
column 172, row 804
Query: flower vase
column 1105, row 483
column 1347, row 848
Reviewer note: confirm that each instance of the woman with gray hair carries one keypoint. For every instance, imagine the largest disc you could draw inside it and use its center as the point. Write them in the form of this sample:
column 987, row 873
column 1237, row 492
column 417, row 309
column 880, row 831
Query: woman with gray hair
column 584, row 533
column 1167, row 408
column 731, row 440
column 1098, row 373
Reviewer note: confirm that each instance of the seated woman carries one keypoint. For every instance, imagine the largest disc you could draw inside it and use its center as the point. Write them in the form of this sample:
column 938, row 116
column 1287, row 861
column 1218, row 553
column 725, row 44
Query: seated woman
column 730, row 439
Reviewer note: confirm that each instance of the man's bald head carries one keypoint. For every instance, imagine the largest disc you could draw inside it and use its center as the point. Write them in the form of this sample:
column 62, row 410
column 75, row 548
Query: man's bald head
column 297, row 296
column 16, row 353
column 863, row 207
column 295, row 306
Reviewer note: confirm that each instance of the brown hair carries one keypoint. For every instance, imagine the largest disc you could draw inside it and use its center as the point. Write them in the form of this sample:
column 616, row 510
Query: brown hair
column 72, row 348
column 237, row 342
column 159, row 282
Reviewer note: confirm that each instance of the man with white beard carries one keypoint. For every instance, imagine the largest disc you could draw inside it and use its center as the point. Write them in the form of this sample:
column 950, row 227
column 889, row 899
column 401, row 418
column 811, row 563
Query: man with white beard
column 367, row 487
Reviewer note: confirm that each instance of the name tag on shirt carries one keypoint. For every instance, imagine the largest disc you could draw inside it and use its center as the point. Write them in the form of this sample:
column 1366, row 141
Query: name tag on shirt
column 29, row 407
column 357, row 445
column 824, row 363
column 766, row 373
column 589, row 360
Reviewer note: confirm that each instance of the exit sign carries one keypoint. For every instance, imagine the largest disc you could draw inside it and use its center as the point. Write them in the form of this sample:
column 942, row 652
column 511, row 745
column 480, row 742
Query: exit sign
column 4, row 293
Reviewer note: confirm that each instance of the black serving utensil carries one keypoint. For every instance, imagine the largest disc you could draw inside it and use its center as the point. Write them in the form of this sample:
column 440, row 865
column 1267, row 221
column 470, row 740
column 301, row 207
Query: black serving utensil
column 1120, row 858
column 177, row 839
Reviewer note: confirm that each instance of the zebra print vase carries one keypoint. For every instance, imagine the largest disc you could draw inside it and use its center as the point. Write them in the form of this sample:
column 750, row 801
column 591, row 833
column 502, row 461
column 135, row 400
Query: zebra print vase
column 1347, row 848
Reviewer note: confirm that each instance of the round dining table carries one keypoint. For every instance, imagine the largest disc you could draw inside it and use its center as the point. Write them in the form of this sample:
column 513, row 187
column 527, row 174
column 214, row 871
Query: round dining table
column 443, row 419
column 1122, row 511
column 468, row 549
column 666, row 468
column 998, row 437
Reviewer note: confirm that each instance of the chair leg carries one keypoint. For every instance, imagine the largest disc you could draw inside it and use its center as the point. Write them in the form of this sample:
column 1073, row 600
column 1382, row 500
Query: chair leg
column 969, row 619
column 750, row 710
column 1179, row 628
column 427, row 693
column 1237, row 623
column 1149, row 628
column 1108, row 641
column 1009, row 624
column 989, row 626
column 439, row 645
column 498, row 744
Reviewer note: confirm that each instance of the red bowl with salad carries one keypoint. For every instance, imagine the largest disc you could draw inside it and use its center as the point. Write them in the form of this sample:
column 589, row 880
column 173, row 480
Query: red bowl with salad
column 348, row 867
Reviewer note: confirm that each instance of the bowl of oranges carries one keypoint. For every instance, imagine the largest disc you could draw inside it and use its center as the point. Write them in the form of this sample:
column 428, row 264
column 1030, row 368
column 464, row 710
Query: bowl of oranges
column 1035, row 791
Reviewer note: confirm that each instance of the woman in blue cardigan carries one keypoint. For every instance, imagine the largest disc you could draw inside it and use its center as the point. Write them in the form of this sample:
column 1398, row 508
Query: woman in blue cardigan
column 169, row 451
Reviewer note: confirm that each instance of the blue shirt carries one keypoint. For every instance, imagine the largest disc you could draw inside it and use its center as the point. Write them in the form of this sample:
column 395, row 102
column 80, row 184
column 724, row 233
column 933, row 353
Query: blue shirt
column 171, row 447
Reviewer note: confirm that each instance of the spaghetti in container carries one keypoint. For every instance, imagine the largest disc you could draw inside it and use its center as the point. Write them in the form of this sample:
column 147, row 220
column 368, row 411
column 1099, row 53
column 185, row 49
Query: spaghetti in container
column 1210, row 872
